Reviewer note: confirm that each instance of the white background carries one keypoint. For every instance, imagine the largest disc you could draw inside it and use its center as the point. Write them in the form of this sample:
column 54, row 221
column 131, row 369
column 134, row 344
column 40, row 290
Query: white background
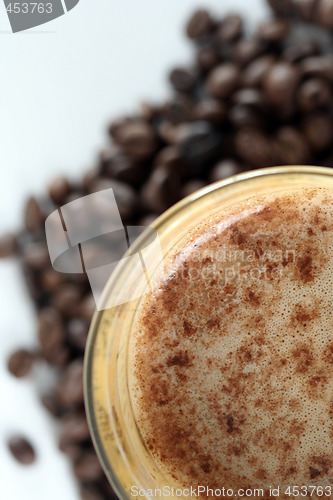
column 60, row 84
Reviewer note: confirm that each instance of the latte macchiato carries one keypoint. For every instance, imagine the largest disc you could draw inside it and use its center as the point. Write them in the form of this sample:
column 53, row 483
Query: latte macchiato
column 231, row 354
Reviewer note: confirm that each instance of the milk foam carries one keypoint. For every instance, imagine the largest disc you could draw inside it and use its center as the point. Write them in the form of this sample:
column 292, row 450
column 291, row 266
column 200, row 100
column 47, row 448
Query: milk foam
column 231, row 356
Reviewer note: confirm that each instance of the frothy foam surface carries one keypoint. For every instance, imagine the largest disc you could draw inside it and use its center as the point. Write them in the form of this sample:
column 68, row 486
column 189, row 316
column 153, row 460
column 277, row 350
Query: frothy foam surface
column 231, row 357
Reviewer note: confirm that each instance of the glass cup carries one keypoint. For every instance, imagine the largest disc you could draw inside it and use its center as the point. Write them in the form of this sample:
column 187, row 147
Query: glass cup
column 126, row 461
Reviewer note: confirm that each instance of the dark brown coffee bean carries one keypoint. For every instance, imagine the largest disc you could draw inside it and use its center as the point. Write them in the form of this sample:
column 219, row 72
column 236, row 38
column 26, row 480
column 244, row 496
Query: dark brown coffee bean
column 207, row 58
column 223, row 80
column 313, row 94
column 273, row 30
column 210, row 110
column 324, row 13
column 36, row 256
column 321, row 66
column 69, row 389
column 77, row 332
column 230, row 29
column 50, row 402
column 33, row 218
column 183, row 79
column 247, row 50
column 241, row 116
column 117, row 165
column 191, row 187
column 67, row 299
column 22, row 450
column 318, row 130
column 91, row 493
column 74, row 429
column 256, row 71
column 50, row 280
column 89, row 177
column 179, row 109
column 255, row 148
column 51, row 333
column 161, row 190
column 281, row 82
column 170, row 157
column 199, row 144
column 124, row 194
column 199, row 24
column 20, row 363
column 297, row 52
column 249, row 97
column 87, row 467
column 224, row 169
column 118, row 124
column 72, row 450
column 59, row 189
column 8, row 245
column 281, row 7
column 292, row 147
column 305, row 9
column 137, row 139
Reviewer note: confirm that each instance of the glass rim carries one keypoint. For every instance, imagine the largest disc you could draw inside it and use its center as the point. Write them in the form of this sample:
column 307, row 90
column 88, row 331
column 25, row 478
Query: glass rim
column 161, row 221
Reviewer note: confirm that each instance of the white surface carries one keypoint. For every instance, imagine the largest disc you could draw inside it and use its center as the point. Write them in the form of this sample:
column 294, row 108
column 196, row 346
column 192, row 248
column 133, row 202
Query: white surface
column 60, row 84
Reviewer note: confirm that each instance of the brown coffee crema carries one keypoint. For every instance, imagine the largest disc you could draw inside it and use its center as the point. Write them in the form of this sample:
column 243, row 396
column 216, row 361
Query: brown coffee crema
column 231, row 356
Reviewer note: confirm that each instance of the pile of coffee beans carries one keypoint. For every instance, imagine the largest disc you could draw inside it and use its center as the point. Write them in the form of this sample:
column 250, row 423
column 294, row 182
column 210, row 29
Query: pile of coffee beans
column 246, row 101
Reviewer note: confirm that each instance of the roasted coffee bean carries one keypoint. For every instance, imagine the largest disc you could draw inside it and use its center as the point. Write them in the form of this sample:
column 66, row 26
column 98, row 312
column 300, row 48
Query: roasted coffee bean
column 247, row 50
column 77, row 332
column 91, row 493
column 241, row 116
column 249, row 97
column 74, row 429
column 36, row 256
column 318, row 130
column 199, row 144
column 59, row 189
column 124, row 194
column 305, row 9
column 170, row 157
column 191, row 187
column 224, row 169
column 20, row 363
column 116, row 165
column 207, row 58
column 50, row 402
column 281, row 82
column 273, row 30
column 296, row 52
column 137, row 139
column 50, row 280
column 51, row 333
column 313, row 94
column 256, row 71
column 87, row 307
column 161, row 190
column 87, row 467
column 324, row 13
column 292, row 147
column 69, row 389
column 66, row 299
column 223, row 80
column 33, row 216
column 183, row 79
column 281, row 7
column 199, row 24
column 22, row 450
column 255, row 148
column 8, row 245
column 321, row 66
column 230, row 29
column 179, row 109
column 210, row 110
